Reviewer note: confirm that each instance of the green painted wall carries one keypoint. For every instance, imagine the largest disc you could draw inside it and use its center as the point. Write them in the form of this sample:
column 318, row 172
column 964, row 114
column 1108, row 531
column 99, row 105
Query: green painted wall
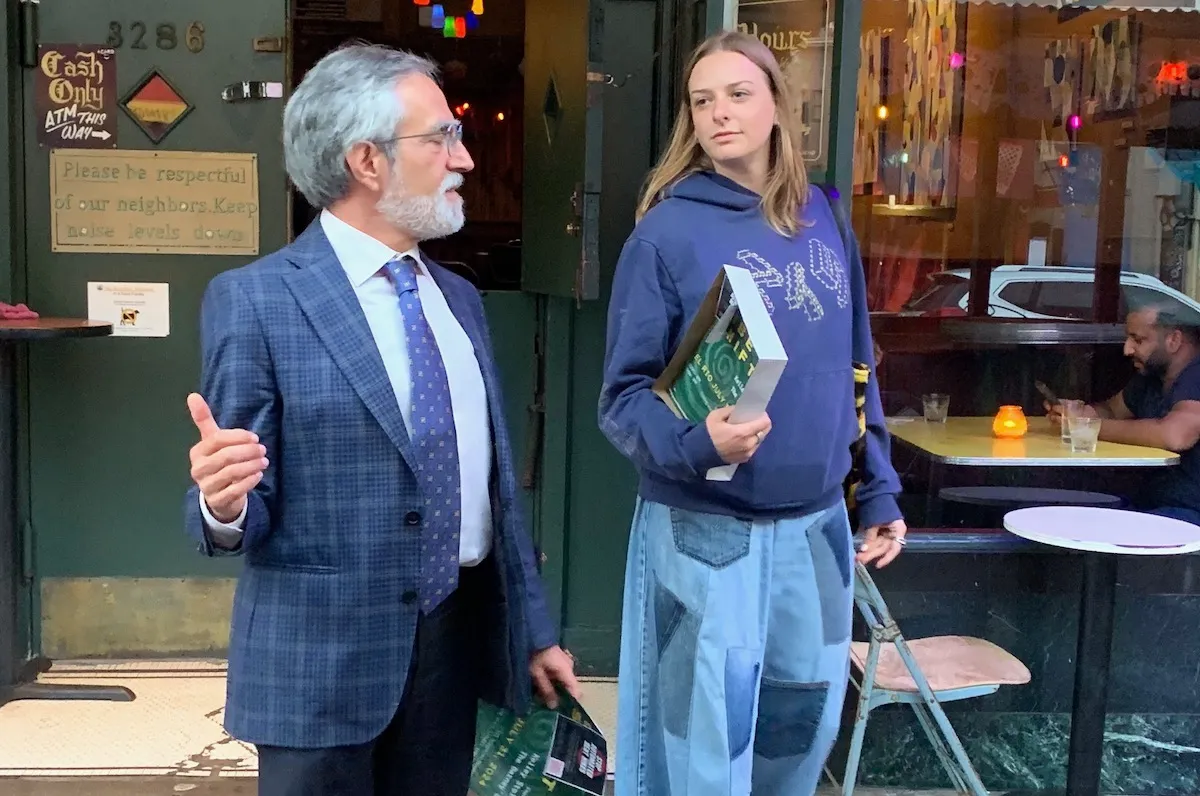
column 109, row 430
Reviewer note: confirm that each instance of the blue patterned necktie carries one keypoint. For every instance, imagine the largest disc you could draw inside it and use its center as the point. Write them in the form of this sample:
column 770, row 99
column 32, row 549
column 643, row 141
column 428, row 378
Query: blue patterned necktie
column 433, row 437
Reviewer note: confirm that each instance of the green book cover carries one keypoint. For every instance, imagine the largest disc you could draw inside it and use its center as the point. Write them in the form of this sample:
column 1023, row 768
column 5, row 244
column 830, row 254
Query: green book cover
column 549, row 751
column 717, row 373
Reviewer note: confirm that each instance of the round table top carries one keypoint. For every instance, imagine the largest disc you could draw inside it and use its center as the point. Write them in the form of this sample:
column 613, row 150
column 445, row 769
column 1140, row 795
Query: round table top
column 1103, row 530
column 1018, row 496
column 53, row 329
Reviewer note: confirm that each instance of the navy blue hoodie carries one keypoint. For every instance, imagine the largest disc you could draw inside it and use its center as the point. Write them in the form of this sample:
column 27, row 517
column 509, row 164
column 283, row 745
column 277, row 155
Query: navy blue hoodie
column 814, row 288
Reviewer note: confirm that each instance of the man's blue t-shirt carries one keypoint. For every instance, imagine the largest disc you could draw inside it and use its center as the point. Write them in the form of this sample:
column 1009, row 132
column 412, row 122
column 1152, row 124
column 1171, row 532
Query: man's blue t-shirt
column 1146, row 399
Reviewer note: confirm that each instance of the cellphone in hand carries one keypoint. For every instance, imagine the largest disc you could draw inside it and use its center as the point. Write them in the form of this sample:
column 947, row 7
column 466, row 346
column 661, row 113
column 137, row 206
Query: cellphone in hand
column 1046, row 392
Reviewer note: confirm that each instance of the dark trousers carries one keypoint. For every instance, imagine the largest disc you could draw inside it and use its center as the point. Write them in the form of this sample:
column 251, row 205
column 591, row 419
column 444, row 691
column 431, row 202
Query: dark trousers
column 427, row 748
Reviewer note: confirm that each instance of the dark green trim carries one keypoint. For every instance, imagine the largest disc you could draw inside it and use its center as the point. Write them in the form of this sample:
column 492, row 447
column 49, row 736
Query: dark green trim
column 847, row 25
column 552, row 506
column 10, row 147
column 716, row 14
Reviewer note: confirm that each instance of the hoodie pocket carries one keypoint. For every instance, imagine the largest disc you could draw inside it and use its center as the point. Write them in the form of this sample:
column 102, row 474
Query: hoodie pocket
column 808, row 450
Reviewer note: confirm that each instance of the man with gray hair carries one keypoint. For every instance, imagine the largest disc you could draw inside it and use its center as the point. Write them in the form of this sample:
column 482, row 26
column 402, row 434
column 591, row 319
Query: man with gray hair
column 356, row 455
column 1160, row 406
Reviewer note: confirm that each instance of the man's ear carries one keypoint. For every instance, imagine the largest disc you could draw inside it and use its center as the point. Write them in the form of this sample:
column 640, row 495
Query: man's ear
column 365, row 163
column 1174, row 340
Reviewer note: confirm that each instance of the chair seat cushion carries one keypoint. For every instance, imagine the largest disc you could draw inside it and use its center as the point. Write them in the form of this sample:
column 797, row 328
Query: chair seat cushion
column 948, row 662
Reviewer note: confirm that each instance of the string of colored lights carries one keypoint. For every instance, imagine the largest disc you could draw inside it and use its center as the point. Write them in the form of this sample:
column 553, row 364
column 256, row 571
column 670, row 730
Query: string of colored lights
column 433, row 15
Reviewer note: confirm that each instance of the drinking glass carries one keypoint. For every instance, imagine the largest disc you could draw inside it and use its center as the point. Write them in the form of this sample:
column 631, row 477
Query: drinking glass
column 1068, row 407
column 937, row 407
column 1085, row 433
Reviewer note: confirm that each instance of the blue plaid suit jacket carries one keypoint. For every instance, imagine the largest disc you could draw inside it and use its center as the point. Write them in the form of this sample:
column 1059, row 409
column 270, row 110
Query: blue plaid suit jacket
column 320, row 639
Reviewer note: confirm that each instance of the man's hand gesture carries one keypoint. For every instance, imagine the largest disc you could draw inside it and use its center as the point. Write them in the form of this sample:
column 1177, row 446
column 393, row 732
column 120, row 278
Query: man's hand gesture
column 226, row 463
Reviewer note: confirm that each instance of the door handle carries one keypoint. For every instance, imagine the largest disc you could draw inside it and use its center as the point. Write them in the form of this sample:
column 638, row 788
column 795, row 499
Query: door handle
column 249, row 90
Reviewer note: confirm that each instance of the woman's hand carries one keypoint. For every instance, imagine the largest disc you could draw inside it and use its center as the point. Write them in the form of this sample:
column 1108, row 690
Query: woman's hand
column 736, row 442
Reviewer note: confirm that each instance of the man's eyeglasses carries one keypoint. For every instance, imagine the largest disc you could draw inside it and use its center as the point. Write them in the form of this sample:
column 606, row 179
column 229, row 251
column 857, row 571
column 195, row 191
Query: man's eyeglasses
column 451, row 134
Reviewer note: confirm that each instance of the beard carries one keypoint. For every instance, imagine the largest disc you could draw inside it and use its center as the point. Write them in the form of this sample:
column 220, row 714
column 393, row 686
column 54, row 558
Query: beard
column 424, row 217
column 1155, row 365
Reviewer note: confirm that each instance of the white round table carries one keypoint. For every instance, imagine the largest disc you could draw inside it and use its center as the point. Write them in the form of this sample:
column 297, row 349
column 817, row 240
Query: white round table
column 1101, row 535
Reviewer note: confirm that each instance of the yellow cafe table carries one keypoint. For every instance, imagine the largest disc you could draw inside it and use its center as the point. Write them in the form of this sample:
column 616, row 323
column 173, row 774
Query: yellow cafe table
column 969, row 442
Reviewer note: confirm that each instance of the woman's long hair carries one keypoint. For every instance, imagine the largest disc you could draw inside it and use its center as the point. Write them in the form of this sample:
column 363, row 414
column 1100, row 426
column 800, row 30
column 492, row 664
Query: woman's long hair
column 787, row 181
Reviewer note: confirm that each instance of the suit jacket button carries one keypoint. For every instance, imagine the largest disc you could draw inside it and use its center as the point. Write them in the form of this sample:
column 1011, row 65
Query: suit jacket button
column 409, row 597
column 412, row 518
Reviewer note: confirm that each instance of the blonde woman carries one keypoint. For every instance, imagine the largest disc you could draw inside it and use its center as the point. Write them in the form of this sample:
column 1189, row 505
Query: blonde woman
column 736, row 627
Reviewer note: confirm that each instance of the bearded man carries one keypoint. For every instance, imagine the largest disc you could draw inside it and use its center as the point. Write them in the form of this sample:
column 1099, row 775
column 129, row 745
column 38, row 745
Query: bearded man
column 356, row 454
column 1160, row 406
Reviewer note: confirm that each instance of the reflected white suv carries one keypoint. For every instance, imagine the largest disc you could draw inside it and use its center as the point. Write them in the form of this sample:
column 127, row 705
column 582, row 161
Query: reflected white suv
column 1046, row 292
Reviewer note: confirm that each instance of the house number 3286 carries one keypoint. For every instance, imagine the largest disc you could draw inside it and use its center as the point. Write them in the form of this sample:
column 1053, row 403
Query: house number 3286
column 164, row 35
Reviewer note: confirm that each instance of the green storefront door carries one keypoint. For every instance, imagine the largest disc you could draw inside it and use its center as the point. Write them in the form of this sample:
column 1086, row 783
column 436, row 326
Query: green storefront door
column 600, row 91
column 107, row 428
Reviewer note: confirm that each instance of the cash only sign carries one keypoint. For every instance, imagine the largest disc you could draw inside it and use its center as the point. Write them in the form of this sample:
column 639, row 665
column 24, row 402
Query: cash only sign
column 75, row 96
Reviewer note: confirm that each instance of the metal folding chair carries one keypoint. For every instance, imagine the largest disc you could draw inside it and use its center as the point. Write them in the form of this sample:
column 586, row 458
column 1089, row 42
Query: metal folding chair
column 922, row 673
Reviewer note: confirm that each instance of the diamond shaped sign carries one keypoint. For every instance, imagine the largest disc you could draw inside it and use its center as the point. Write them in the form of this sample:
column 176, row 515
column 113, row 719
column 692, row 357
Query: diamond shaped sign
column 155, row 106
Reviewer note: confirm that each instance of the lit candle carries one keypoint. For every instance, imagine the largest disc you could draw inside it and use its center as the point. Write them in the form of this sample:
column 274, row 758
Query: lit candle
column 1010, row 423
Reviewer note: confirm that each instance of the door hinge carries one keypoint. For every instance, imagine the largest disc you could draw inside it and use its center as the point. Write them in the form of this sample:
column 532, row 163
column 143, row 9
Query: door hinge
column 27, row 11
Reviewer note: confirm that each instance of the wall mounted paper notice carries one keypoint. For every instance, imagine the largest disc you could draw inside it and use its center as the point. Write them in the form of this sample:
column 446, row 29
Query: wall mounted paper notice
column 135, row 309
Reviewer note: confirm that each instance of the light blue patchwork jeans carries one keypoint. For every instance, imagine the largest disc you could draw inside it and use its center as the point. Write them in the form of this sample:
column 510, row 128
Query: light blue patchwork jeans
column 734, row 652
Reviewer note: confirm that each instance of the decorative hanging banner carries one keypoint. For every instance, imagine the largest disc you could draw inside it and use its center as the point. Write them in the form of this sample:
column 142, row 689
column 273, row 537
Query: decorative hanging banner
column 75, row 96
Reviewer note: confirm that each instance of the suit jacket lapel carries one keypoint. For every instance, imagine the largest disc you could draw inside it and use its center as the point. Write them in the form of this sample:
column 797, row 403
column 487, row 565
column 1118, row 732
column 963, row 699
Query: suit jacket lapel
column 323, row 291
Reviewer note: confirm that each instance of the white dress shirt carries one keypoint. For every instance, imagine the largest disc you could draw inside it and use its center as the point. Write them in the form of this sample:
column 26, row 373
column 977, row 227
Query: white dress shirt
column 363, row 259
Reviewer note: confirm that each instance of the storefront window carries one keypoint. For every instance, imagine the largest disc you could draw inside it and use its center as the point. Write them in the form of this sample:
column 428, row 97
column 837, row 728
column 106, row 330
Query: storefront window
column 1049, row 150
column 800, row 33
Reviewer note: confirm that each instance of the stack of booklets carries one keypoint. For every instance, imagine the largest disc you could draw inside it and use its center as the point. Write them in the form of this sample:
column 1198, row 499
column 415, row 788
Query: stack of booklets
column 549, row 751
column 731, row 355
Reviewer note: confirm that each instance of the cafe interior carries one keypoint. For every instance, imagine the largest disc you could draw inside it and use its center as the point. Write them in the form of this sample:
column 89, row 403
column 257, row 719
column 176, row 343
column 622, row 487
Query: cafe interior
column 1024, row 172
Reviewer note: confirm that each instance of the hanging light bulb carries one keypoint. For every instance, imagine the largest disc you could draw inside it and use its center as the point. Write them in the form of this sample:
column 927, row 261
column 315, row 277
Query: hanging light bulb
column 472, row 20
column 448, row 28
column 425, row 16
column 477, row 8
column 439, row 16
column 460, row 27
column 421, row 2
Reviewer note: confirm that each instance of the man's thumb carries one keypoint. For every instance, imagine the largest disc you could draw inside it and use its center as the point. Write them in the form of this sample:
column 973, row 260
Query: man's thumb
column 202, row 416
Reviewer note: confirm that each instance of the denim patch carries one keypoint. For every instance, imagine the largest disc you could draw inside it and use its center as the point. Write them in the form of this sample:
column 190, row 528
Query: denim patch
column 741, row 683
column 669, row 611
column 829, row 546
column 789, row 716
column 676, row 675
column 710, row 539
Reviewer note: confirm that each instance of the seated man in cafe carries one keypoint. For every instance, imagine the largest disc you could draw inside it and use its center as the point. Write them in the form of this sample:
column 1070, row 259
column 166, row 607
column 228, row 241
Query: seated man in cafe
column 1160, row 406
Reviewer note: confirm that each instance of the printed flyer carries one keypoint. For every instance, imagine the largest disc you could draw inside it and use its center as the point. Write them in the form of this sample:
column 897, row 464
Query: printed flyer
column 558, row 751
